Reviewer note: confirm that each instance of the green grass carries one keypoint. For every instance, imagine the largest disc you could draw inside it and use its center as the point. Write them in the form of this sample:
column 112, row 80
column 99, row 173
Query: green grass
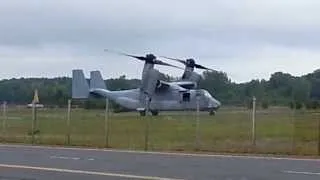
column 278, row 131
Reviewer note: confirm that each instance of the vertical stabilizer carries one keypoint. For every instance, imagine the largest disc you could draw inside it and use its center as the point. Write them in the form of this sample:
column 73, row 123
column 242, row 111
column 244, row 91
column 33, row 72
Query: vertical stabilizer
column 96, row 80
column 80, row 87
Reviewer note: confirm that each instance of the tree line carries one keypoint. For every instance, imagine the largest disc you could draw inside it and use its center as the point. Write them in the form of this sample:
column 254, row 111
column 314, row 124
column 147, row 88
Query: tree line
column 282, row 89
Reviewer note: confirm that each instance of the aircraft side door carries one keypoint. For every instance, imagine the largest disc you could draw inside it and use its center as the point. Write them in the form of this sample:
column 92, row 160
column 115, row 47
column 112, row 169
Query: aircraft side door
column 185, row 97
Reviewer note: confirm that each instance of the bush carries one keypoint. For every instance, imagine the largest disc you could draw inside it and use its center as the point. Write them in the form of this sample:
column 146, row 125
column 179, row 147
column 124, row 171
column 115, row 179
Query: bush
column 297, row 105
column 265, row 104
column 291, row 105
column 313, row 104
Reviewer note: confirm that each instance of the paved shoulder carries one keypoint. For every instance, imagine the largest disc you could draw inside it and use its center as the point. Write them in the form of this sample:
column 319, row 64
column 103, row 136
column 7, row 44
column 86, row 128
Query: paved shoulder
column 141, row 165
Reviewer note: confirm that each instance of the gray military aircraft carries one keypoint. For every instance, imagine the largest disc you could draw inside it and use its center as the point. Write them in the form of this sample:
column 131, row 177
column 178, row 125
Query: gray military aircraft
column 153, row 96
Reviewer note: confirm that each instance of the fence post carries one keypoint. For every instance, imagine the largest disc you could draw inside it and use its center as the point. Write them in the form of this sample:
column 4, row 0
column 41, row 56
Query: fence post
column 4, row 120
column 68, row 121
column 293, row 121
column 146, row 140
column 197, row 138
column 106, row 123
column 318, row 135
column 254, row 121
column 34, row 117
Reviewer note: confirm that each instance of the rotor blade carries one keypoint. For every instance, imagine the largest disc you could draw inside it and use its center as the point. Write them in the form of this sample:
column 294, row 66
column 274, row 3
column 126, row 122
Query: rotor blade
column 166, row 64
column 202, row 67
column 198, row 66
column 179, row 60
column 124, row 54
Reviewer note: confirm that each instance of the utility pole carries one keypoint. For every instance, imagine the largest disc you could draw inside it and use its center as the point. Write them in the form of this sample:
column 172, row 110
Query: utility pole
column 254, row 121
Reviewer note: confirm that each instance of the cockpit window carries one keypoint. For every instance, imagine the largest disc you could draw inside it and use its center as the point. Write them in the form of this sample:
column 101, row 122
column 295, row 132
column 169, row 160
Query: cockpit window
column 206, row 93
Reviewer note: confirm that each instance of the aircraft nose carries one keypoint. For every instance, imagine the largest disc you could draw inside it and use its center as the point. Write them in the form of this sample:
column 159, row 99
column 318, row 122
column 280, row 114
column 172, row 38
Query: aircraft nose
column 216, row 104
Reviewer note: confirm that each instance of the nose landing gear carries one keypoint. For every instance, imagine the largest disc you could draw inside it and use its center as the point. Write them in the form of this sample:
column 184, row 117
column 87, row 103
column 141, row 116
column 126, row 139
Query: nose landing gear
column 212, row 112
column 153, row 112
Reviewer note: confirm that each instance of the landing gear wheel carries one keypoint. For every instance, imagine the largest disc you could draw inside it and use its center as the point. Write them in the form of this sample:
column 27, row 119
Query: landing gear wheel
column 212, row 113
column 142, row 113
column 154, row 113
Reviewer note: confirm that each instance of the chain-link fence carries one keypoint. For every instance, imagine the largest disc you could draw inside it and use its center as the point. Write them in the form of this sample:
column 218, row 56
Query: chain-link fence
column 277, row 130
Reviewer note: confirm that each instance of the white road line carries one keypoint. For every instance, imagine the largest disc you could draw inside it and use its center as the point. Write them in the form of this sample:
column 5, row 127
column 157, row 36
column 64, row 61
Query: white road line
column 64, row 157
column 163, row 153
column 85, row 172
column 70, row 158
column 303, row 173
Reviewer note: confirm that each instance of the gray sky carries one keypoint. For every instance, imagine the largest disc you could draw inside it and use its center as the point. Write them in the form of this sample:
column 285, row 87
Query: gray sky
column 247, row 39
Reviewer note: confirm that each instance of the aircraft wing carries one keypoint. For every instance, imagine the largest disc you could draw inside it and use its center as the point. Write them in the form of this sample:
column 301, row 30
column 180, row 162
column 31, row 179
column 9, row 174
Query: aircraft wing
column 186, row 84
column 163, row 86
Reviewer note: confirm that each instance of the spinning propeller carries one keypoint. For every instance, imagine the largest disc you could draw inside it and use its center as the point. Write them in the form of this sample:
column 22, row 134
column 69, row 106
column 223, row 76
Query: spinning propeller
column 149, row 58
column 189, row 63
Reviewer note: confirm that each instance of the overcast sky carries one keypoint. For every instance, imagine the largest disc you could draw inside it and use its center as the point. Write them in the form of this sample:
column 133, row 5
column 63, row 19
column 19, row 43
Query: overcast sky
column 247, row 39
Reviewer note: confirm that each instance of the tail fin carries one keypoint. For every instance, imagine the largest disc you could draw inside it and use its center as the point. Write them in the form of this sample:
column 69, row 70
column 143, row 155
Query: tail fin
column 80, row 87
column 96, row 80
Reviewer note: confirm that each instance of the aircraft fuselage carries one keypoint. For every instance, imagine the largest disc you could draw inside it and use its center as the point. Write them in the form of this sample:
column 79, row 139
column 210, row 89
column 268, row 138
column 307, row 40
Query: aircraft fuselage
column 165, row 101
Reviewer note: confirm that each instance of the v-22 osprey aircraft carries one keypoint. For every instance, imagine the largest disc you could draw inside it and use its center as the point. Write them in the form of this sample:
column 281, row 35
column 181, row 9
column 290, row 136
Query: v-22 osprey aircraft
column 161, row 95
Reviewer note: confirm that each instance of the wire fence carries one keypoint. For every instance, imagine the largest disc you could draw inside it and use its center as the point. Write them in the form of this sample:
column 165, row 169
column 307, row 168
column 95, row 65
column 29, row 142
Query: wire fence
column 238, row 130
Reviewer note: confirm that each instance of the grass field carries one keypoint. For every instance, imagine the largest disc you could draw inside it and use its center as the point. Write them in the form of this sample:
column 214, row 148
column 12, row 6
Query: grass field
column 278, row 130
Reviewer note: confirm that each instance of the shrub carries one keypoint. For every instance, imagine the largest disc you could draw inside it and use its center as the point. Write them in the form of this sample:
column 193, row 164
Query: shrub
column 265, row 104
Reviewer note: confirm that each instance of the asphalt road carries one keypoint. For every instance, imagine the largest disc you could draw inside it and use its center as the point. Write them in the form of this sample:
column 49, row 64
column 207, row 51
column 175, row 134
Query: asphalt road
column 45, row 163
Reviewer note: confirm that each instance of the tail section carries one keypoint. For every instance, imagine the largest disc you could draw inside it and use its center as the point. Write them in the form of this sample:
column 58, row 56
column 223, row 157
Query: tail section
column 96, row 80
column 80, row 87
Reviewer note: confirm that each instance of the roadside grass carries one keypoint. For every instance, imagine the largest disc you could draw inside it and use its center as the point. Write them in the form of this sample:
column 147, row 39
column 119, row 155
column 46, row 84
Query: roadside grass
column 278, row 130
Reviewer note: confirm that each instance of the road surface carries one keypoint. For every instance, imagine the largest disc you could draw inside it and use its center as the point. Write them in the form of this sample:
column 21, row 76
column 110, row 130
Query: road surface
column 23, row 162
